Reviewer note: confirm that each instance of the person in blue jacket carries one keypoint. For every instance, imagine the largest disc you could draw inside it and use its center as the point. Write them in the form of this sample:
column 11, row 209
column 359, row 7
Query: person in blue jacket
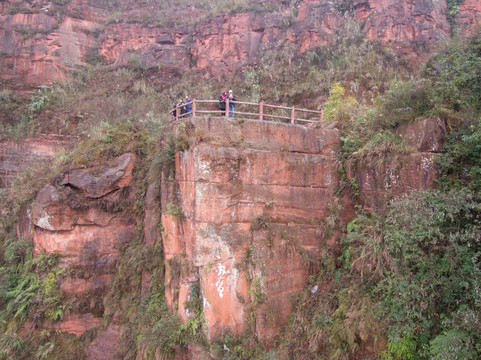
column 188, row 106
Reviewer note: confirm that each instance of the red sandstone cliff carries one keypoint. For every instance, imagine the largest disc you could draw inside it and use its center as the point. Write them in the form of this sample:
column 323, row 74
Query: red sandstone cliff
column 38, row 44
column 79, row 219
column 244, row 219
column 254, row 204
column 16, row 156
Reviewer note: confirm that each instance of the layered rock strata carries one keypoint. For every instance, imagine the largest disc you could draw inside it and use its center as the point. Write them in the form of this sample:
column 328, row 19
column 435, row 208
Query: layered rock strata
column 247, row 217
column 84, row 218
column 39, row 46
column 242, row 220
column 17, row 156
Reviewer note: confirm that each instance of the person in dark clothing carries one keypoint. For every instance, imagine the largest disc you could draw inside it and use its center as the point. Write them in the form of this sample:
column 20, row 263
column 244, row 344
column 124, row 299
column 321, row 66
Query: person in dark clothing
column 183, row 111
column 174, row 109
column 222, row 98
column 231, row 103
column 188, row 105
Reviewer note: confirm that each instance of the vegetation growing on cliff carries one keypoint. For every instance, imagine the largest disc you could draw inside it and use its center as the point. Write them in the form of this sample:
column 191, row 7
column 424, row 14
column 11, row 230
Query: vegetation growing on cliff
column 417, row 262
column 415, row 273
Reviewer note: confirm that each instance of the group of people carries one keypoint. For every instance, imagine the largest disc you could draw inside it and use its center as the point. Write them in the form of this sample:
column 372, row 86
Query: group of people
column 223, row 101
column 183, row 108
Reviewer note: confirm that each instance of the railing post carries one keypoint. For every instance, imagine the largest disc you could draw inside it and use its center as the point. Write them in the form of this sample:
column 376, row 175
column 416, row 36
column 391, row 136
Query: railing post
column 322, row 117
column 170, row 117
column 227, row 107
column 293, row 110
column 261, row 111
column 177, row 113
column 194, row 107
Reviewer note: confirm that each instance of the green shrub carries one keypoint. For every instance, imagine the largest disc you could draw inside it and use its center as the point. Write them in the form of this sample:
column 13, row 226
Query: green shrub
column 404, row 102
column 175, row 211
column 261, row 222
column 456, row 73
column 338, row 107
column 460, row 165
column 454, row 344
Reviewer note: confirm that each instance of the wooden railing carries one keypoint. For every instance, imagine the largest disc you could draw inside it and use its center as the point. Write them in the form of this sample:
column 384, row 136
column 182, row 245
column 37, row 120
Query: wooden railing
column 250, row 111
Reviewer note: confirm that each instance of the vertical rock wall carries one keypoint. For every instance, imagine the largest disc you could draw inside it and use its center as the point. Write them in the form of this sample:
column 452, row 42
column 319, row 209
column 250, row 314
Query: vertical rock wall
column 242, row 219
column 38, row 46
column 395, row 175
column 246, row 214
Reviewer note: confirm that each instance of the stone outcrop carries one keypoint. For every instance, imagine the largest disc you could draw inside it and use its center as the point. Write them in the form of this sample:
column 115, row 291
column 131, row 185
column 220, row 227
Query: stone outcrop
column 84, row 217
column 245, row 219
column 37, row 46
column 37, row 49
column 242, row 220
column 469, row 17
column 121, row 44
column 79, row 221
column 17, row 156
column 401, row 174
column 403, row 23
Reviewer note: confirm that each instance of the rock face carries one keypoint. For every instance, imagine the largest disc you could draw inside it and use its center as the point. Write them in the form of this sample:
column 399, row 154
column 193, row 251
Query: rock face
column 38, row 46
column 85, row 219
column 242, row 221
column 403, row 23
column 85, row 232
column 37, row 49
column 402, row 174
column 123, row 43
column 17, row 156
column 245, row 219
column 469, row 16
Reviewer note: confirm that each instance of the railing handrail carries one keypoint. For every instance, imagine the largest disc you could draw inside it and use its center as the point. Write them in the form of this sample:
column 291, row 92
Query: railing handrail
column 259, row 116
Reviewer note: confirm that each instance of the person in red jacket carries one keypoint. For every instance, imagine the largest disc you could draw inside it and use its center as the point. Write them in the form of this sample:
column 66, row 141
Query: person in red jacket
column 222, row 99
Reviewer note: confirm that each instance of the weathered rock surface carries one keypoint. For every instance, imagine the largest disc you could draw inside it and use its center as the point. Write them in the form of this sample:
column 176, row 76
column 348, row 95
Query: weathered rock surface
column 77, row 324
column 107, row 180
column 155, row 46
column 17, row 156
column 38, row 47
column 105, row 345
column 80, row 220
column 401, row 174
column 250, row 227
column 403, row 23
column 244, row 219
column 469, row 16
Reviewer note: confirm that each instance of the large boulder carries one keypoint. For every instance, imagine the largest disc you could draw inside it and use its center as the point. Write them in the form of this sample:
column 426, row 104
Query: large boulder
column 86, row 219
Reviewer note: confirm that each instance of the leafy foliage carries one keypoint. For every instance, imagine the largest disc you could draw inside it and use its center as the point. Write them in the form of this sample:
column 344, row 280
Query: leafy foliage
column 431, row 243
column 456, row 73
column 461, row 163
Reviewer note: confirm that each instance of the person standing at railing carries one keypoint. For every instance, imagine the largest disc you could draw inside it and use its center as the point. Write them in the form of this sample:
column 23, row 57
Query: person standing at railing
column 231, row 103
column 174, row 109
column 222, row 99
column 182, row 108
column 188, row 105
